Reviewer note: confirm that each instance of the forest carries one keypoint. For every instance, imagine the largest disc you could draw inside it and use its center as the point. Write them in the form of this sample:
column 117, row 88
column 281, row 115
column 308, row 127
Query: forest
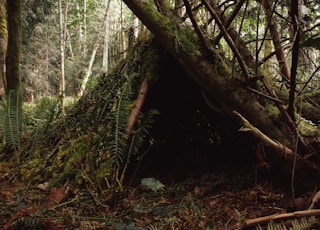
column 159, row 114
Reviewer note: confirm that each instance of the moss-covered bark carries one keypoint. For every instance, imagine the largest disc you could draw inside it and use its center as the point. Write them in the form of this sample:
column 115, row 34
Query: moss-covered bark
column 307, row 105
column 14, row 44
column 3, row 45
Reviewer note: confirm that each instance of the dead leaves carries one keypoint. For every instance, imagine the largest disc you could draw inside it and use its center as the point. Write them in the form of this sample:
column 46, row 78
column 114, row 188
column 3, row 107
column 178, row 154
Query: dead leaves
column 55, row 197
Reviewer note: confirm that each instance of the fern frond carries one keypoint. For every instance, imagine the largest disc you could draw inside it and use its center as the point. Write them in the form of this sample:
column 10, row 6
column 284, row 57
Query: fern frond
column 13, row 120
column 142, row 132
column 119, row 119
column 297, row 224
column 304, row 223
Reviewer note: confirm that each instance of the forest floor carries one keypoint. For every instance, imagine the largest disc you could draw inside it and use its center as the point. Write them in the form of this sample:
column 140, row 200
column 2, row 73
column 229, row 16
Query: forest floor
column 207, row 201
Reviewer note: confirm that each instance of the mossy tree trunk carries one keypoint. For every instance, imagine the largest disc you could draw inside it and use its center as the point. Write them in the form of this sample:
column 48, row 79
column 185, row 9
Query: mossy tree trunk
column 14, row 45
column 13, row 120
column 3, row 46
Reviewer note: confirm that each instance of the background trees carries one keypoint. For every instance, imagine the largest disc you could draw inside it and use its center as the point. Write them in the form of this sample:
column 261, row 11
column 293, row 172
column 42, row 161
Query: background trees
column 84, row 25
column 257, row 25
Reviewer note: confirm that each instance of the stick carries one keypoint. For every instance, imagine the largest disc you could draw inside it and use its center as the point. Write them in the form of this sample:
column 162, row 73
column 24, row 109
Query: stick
column 276, row 218
column 246, row 126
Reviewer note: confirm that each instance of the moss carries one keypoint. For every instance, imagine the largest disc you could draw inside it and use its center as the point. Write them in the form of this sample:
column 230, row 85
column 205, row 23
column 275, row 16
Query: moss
column 308, row 129
column 273, row 112
column 223, row 69
column 31, row 171
column 185, row 39
column 71, row 159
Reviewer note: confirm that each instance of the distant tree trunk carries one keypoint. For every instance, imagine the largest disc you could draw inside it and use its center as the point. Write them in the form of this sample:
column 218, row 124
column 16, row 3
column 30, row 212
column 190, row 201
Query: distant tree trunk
column 91, row 61
column 275, row 35
column 105, row 59
column 93, row 55
column 3, row 46
column 62, row 29
column 133, row 31
column 82, row 27
column 14, row 45
column 178, row 8
column 295, row 56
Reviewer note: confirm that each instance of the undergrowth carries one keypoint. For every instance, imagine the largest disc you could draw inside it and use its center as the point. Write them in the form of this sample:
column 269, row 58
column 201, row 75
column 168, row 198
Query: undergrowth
column 90, row 146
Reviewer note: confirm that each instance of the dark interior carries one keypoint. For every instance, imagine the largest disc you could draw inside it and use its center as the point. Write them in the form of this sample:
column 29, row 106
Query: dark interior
column 190, row 137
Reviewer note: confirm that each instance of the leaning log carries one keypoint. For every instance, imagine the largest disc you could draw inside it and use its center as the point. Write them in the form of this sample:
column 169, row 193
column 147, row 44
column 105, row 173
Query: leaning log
column 208, row 70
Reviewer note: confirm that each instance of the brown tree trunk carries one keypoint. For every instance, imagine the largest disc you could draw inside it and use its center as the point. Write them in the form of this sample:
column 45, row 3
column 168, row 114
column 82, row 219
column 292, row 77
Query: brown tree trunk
column 275, row 35
column 3, row 46
column 14, row 45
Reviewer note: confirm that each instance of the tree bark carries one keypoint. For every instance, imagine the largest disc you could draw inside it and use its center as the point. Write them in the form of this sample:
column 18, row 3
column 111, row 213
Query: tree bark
column 3, row 46
column 14, row 45
column 275, row 35
column 105, row 58
column 62, row 31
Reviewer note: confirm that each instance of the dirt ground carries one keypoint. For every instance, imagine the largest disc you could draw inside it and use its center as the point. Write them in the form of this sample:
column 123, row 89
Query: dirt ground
column 203, row 201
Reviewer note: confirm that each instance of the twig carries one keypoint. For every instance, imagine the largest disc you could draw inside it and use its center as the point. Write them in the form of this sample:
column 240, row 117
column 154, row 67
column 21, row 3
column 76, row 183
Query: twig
column 228, row 39
column 196, row 27
column 266, row 96
column 276, row 218
column 246, row 126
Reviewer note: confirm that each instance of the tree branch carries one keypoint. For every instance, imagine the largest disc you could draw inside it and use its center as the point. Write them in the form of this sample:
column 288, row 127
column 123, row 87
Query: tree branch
column 276, row 218
column 228, row 39
column 246, row 126
column 137, row 107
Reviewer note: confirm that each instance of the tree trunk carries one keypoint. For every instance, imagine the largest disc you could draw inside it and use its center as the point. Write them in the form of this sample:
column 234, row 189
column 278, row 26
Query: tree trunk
column 105, row 59
column 13, row 119
column 91, row 61
column 14, row 45
column 3, row 46
column 63, row 32
column 100, row 35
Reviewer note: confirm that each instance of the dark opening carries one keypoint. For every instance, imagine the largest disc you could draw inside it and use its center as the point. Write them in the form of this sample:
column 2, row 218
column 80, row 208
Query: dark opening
column 190, row 137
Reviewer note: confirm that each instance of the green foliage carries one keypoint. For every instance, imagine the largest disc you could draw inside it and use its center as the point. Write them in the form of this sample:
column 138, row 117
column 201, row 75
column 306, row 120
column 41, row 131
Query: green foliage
column 118, row 120
column 91, row 144
column 36, row 113
column 122, row 146
column 40, row 115
column 12, row 118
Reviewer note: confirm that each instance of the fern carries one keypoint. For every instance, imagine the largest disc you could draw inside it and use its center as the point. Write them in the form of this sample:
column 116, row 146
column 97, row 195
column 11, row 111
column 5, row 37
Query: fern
column 13, row 120
column 137, row 140
column 120, row 121
column 142, row 133
column 304, row 223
